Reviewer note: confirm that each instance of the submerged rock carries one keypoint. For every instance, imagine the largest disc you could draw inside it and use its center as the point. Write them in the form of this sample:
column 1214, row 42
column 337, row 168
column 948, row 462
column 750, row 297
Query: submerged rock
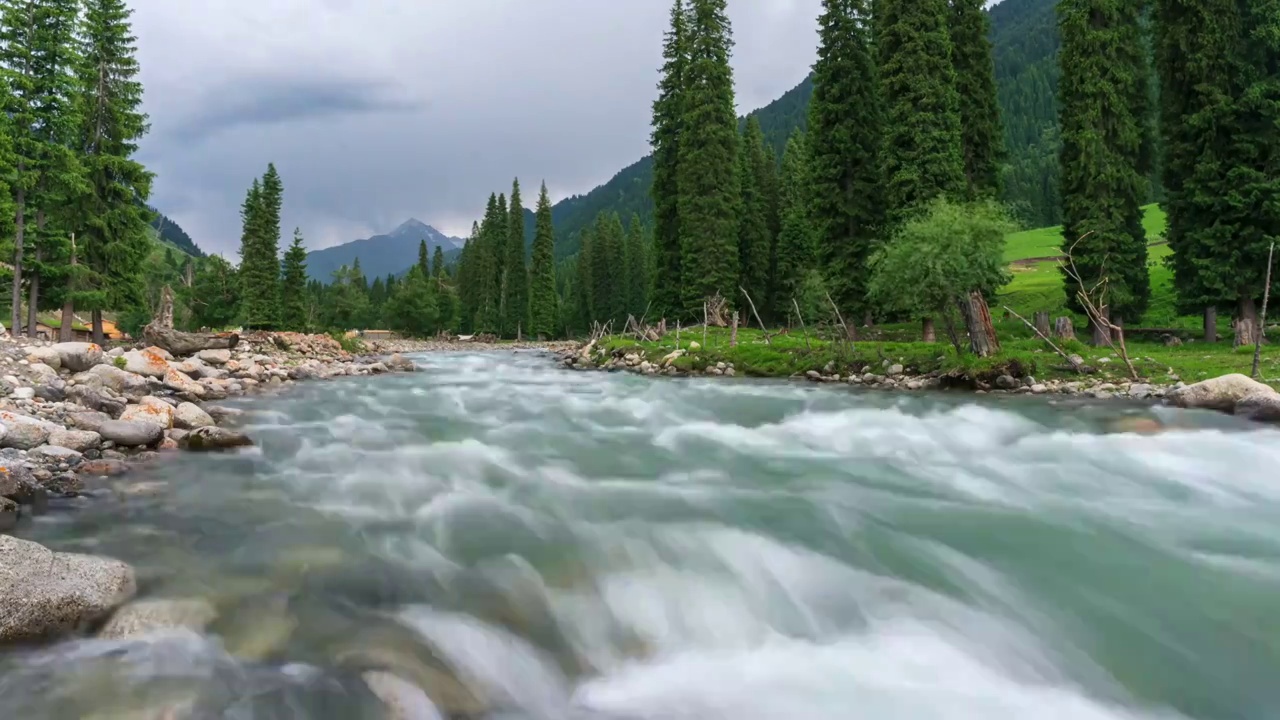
column 145, row 616
column 8, row 514
column 214, row 438
column 45, row 594
column 103, row 468
column 404, row 700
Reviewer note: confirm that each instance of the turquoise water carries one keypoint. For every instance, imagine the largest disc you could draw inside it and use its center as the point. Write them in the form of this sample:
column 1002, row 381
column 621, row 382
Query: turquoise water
column 534, row 543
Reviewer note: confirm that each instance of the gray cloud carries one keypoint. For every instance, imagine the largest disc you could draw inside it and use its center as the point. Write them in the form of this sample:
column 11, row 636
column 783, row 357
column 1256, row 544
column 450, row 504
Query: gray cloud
column 379, row 110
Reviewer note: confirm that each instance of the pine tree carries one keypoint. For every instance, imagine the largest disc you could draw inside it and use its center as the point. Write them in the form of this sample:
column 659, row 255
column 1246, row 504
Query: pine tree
column 37, row 59
column 1102, row 181
column 637, row 264
column 112, row 244
column 982, row 135
column 754, row 240
column 293, row 286
column 609, row 289
column 708, row 161
column 795, row 253
column 437, row 262
column 493, row 230
column 423, row 258
column 542, row 278
column 515, row 285
column 921, row 145
column 668, row 119
column 844, row 144
column 260, row 252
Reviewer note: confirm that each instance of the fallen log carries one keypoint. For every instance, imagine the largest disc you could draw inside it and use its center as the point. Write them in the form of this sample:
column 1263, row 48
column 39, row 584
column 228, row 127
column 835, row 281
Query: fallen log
column 184, row 343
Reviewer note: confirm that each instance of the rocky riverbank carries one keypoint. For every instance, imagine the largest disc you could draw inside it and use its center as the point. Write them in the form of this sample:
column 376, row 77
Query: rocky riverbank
column 1233, row 394
column 72, row 413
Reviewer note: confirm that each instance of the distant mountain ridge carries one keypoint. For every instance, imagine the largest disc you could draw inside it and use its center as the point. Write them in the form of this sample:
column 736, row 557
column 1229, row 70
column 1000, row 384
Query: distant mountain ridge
column 382, row 255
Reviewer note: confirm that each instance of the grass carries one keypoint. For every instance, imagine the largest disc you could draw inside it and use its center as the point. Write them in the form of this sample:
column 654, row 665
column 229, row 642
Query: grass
column 1036, row 286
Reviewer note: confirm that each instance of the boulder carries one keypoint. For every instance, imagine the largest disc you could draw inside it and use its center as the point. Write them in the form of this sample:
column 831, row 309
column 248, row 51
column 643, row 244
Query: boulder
column 181, row 382
column 403, row 699
column 8, row 514
column 55, row 452
column 222, row 414
column 121, row 381
column 214, row 438
column 147, row 616
column 1220, row 393
column 47, row 594
column 401, row 363
column 150, row 409
column 131, row 433
column 78, row 356
column 215, row 357
column 213, row 390
column 184, row 343
column 78, row 440
column 145, row 362
column 1259, row 406
column 189, row 416
column 45, row 355
column 89, row 420
column 42, row 374
column 16, row 481
column 23, row 431
column 192, row 366
column 94, row 400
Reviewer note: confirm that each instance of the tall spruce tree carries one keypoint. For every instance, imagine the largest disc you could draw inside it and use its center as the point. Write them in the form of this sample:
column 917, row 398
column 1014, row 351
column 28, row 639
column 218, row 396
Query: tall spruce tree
column 844, row 149
column 37, row 59
column 795, row 251
column 754, row 240
column 423, row 258
column 515, row 282
column 1101, row 99
column 112, row 244
column 982, row 135
column 542, row 276
column 437, row 262
column 259, row 252
column 921, row 148
column 668, row 120
column 708, row 160
column 637, row 263
column 493, row 231
column 293, row 285
column 609, row 290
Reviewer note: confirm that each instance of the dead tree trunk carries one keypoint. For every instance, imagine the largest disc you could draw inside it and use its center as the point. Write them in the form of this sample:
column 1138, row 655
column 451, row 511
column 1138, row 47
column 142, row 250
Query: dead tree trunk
column 1262, row 320
column 164, row 316
column 1063, row 329
column 927, row 331
column 99, row 336
column 733, row 332
column 1211, row 324
column 1246, row 322
column 1042, row 322
column 977, row 319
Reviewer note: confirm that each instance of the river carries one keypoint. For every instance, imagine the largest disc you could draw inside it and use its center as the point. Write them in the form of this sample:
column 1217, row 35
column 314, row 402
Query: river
column 533, row 543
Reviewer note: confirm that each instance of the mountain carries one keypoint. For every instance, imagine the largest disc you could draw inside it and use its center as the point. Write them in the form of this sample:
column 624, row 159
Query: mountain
column 382, row 255
column 1024, row 35
column 172, row 233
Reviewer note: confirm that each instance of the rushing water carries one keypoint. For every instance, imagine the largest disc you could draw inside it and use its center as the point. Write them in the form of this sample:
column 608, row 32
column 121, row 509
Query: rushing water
column 533, row 543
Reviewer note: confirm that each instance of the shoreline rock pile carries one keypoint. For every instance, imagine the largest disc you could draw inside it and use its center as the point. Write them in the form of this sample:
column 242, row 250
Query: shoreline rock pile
column 70, row 411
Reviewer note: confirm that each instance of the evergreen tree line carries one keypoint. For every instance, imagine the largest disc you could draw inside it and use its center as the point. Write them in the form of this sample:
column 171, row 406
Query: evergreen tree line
column 73, row 211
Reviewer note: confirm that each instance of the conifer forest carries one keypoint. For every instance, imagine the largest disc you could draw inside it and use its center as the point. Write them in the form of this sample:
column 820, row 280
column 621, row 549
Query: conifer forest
column 920, row 120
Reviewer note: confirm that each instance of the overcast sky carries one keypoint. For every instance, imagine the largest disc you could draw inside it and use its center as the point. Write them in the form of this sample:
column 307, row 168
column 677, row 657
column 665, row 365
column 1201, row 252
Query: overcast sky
column 375, row 111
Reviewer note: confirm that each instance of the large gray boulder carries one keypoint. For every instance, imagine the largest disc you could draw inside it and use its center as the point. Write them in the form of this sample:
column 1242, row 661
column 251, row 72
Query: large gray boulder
column 131, row 433
column 45, row 594
column 1220, row 393
column 42, row 374
column 89, row 420
column 23, row 431
column 78, row 356
column 181, row 382
column 78, row 440
column 121, row 381
column 1260, row 406
column 150, row 409
column 189, row 416
column 95, row 400
column 46, row 355
column 148, row 363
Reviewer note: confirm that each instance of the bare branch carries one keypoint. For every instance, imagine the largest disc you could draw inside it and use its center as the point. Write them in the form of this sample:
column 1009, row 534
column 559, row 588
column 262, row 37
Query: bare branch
column 1070, row 361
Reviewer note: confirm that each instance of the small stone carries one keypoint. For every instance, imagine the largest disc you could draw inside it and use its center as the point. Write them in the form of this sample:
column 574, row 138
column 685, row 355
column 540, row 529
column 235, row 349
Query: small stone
column 189, row 416
column 1006, row 382
column 214, row 438
column 23, row 393
column 894, row 370
column 1039, row 389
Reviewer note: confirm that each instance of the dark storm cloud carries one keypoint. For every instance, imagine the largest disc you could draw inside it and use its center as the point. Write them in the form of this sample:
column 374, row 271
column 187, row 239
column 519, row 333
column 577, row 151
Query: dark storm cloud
column 380, row 110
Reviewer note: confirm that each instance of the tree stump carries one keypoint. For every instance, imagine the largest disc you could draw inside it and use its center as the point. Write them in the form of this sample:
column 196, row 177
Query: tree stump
column 1211, row 324
column 1042, row 323
column 733, row 332
column 977, row 320
column 1063, row 329
column 927, row 332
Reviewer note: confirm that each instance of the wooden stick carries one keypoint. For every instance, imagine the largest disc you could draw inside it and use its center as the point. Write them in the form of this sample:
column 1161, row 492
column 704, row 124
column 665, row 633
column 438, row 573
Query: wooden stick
column 704, row 323
column 1262, row 321
column 799, row 317
column 848, row 331
column 763, row 329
